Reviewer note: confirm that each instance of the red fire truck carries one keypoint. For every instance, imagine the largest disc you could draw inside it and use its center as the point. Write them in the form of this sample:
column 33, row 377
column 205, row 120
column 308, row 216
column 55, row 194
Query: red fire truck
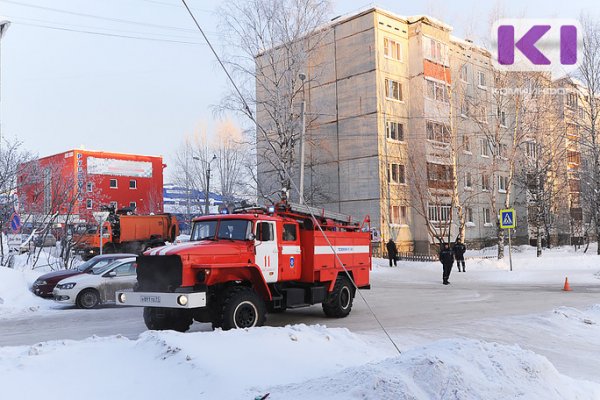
column 238, row 267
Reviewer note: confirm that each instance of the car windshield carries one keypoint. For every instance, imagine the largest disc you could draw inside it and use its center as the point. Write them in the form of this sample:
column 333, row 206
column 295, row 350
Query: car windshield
column 234, row 229
column 85, row 265
column 102, row 268
column 101, row 264
column 203, row 230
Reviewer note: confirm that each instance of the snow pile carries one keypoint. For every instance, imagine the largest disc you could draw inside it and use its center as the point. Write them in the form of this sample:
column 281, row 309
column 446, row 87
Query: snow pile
column 290, row 363
column 452, row 368
column 15, row 297
column 203, row 365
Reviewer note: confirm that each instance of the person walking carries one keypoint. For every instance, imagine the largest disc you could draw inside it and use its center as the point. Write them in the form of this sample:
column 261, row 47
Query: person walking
column 392, row 251
column 459, row 250
column 447, row 259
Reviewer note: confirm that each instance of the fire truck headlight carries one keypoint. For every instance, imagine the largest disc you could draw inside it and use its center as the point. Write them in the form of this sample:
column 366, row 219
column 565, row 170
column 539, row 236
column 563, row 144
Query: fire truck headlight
column 122, row 298
column 182, row 300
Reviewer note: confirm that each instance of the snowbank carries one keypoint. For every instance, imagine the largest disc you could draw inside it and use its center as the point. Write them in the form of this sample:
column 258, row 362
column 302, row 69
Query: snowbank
column 15, row 297
column 453, row 368
column 290, row 363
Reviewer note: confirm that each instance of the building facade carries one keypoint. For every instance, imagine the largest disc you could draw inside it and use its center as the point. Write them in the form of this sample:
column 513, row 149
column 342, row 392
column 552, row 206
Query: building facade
column 410, row 125
column 79, row 182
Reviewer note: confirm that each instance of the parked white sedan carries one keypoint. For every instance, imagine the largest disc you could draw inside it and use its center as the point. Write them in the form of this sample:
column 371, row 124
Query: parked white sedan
column 99, row 286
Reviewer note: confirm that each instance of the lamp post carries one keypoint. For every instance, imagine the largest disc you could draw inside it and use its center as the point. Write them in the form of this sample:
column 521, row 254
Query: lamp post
column 206, row 204
column 3, row 28
column 302, row 134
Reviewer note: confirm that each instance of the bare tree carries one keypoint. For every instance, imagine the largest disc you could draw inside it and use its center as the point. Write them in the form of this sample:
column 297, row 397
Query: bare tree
column 589, row 74
column 269, row 46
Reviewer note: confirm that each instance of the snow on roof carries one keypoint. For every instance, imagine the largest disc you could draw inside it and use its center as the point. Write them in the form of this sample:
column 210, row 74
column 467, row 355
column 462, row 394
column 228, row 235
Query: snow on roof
column 431, row 20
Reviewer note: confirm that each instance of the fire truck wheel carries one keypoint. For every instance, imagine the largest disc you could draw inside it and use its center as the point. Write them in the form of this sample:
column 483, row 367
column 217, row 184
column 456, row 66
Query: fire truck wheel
column 242, row 308
column 339, row 302
column 160, row 319
column 88, row 298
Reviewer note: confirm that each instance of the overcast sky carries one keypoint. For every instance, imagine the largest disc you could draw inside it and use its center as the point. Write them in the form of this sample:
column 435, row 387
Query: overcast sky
column 63, row 88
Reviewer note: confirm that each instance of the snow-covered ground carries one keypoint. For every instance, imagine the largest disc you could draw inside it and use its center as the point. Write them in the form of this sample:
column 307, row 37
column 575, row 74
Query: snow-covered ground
column 315, row 362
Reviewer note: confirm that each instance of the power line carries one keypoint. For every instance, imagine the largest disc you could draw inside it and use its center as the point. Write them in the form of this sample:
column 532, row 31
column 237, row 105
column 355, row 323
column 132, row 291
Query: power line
column 108, row 34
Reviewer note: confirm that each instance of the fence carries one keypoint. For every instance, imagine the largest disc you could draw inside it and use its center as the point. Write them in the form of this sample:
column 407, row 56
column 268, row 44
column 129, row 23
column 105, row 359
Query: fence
column 434, row 257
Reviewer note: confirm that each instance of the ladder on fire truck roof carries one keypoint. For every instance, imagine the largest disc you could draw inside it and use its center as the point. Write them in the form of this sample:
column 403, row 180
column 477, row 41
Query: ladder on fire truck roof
column 320, row 212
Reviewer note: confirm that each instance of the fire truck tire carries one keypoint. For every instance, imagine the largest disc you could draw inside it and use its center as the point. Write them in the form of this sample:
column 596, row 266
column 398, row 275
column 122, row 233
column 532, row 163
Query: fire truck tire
column 242, row 308
column 338, row 303
column 160, row 319
column 88, row 298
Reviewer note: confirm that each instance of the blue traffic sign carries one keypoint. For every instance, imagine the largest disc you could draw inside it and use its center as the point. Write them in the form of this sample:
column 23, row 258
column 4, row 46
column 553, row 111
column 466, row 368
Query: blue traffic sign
column 508, row 219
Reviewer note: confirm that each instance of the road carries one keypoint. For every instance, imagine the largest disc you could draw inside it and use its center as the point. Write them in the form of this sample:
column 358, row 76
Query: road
column 422, row 309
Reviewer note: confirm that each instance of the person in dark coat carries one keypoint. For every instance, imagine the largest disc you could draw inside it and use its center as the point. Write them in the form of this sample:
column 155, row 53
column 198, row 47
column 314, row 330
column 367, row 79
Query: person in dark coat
column 447, row 259
column 392, row 252
column 459, row 250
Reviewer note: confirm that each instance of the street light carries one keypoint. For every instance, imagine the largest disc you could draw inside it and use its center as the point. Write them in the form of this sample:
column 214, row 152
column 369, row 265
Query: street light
column 206, row 210
column 302, row 134
column 4, row 24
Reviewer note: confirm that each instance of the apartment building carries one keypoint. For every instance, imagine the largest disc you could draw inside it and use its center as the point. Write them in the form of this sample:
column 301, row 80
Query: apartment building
column 407, row 126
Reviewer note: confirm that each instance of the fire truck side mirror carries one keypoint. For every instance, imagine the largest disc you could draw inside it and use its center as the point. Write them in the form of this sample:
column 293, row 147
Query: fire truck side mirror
column 251, row 236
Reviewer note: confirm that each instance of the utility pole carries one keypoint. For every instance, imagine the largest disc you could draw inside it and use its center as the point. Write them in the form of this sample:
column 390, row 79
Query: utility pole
column 302, row 138
column 207, row 199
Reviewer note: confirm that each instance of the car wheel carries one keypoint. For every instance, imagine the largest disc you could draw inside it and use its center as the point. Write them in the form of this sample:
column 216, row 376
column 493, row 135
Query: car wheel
column 242, row 308
column 88, row 298
column 338, row 303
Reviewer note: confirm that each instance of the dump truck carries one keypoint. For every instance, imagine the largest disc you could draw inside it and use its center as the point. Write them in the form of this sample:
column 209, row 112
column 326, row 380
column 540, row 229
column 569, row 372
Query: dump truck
column 238, row 267
column 122, row 233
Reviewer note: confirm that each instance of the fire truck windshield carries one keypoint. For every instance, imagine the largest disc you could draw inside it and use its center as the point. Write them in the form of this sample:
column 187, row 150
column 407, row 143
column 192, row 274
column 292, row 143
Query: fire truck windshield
column 204, row 230
column 233, row 229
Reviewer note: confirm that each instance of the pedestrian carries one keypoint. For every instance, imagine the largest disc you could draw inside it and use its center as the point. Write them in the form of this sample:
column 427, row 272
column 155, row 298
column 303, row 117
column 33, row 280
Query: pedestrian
column 447, row 259
column 459, row 250
column 392, row 251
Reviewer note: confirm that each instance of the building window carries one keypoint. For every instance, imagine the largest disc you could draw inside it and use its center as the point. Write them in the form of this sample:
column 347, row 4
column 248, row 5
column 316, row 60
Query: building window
column 468, row 181
column 531, row 150
column 466, row 142
column 502, row 184
column 132, row 184
column 438, row 132
column 88, row 204
column 464, row 107
column 572, row 100
column 481, row 79
column 502, row 150
column 436, row 91
column 89, row 187
column 392, row 49
column 464, row 73
column 396, row 173
column 485, row 183
column 481, row 114
column 393, row 89
column 113, row 184
column 132, row 204
column 485, row 147
column 435, row 51
column 394, row 131
column 439, row 213
column 501, row 117
column 399, row 215
column 469, row 215
column 439, row 172
column 486, row 216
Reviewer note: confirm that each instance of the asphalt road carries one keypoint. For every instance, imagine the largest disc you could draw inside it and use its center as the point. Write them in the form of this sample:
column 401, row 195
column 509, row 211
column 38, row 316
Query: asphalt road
column 426, row 309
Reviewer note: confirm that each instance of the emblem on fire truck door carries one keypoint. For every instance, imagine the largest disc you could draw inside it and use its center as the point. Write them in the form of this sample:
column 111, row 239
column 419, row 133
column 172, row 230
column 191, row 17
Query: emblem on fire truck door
column 292, row 262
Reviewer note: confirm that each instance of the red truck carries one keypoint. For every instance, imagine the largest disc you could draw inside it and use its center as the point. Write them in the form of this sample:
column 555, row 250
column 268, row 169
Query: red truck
column 127, row 234
column 238, row 267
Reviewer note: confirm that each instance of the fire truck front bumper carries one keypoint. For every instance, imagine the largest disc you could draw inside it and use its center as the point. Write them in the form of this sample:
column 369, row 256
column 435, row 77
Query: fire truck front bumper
column 165, row 300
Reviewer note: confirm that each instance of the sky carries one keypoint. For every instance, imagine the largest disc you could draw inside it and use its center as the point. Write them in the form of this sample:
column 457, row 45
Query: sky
column 64, row 88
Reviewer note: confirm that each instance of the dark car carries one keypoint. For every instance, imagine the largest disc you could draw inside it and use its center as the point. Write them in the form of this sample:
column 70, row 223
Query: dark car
column 44, row 285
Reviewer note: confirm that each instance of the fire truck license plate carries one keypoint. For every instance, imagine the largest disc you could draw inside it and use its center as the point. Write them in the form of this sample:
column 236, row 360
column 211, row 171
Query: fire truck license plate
column 150, row 299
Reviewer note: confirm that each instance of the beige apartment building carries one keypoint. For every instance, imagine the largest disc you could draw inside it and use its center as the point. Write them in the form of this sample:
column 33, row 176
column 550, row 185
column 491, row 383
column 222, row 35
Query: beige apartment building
column 403, row 115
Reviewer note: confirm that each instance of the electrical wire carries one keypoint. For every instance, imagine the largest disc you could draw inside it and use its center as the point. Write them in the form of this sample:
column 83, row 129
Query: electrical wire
column 287, row 173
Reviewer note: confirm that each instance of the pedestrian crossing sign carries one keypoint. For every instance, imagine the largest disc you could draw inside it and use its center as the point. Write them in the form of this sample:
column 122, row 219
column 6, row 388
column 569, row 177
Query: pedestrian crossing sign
column 508, row 219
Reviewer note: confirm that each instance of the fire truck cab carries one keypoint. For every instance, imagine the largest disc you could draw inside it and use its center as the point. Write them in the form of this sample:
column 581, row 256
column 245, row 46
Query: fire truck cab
column 238, row 267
